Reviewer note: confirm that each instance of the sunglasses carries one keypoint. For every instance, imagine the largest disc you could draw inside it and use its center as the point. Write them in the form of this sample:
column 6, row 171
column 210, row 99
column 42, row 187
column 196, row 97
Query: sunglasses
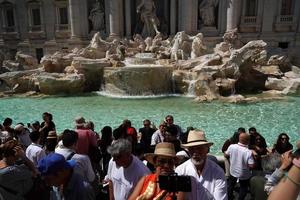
column 165, row 161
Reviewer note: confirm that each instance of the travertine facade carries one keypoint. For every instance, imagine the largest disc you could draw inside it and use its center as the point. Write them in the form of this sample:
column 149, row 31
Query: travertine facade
column 40, row 27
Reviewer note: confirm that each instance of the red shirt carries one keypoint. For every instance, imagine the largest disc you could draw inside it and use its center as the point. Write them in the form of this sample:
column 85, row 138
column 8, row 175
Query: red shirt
column 86, row 138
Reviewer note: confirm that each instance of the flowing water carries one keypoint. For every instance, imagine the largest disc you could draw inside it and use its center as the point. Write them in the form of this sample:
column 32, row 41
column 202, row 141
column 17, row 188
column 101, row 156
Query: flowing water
column 218, row 120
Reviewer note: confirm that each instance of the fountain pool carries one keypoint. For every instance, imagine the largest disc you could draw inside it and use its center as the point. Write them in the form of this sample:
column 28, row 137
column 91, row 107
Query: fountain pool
column 218, row 120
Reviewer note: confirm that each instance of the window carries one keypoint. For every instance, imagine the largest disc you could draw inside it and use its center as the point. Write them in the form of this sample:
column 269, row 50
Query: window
column 39, row 53
column 8, row 16
column 36, row 17
column 286, row 7
column 10, row 20
column 283, row 45
column 251, row 8
column 63, row 15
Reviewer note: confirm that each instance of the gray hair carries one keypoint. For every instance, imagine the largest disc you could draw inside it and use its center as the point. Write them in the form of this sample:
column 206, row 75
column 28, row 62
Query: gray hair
column 270, row 162
column 120, row 146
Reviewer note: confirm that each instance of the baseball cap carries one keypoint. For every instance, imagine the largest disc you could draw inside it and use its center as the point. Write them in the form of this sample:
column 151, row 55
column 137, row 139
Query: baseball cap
column 53, row 163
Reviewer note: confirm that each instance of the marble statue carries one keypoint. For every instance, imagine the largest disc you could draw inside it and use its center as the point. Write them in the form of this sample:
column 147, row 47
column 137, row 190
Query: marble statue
column 97, row 16
column 207, row 12
column 147, row 10
column 198, row 47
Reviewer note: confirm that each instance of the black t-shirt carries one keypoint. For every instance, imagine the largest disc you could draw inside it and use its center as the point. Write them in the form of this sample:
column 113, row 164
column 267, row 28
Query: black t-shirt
column 45, row 131
column 146, row 135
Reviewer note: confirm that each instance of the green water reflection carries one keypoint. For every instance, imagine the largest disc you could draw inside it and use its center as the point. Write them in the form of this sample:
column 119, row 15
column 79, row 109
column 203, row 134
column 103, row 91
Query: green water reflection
column 219, row 120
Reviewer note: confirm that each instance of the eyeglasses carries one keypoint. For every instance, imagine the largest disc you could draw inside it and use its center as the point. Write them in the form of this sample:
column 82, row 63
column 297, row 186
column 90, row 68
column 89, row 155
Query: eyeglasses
column 162, row 161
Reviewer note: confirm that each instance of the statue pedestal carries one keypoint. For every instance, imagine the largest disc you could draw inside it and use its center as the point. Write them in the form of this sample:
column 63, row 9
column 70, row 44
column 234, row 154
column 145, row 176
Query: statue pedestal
column 209, row 31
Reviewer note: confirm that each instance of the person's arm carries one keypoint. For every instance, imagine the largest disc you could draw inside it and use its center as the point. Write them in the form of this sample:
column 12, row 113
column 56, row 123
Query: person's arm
column 137, row 189
column 278, row 173
column 289, row 186
column 111, row 190
column 20, row 154
column 220, row 191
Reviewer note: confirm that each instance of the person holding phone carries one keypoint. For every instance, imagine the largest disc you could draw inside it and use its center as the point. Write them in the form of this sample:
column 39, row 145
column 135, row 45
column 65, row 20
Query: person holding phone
column 164, row 159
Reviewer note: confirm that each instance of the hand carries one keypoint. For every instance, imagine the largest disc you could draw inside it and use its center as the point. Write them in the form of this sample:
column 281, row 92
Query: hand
column 286, row 160
column 19, row 152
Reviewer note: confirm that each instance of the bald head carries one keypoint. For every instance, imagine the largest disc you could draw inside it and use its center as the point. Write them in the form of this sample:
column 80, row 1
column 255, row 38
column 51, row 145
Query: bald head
column 244, row 138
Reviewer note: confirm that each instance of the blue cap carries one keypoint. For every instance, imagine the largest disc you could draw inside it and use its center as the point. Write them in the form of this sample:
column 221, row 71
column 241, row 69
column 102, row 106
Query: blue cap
column 53, row 163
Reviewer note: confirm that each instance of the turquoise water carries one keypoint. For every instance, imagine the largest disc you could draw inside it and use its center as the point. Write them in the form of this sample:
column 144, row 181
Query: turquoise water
column 218, row 120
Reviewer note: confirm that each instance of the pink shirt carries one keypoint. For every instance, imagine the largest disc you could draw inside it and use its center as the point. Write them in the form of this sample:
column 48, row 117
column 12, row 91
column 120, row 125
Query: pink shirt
column 86, row 138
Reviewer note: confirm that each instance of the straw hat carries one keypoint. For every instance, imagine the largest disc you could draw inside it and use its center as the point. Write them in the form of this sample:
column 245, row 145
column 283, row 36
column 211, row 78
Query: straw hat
column 196, row 138
column 161, row 149
column 52, row 135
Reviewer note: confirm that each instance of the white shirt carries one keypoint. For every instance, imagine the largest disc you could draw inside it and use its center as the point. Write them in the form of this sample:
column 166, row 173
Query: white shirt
column 157, row 137
column 240, row 157
column 35, row 153
column 83, row 164
column 210, row 185
column 125, row 179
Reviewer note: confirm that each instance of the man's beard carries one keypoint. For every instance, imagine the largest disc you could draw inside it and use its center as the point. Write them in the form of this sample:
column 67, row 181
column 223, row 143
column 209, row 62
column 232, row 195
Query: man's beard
column 198, row 161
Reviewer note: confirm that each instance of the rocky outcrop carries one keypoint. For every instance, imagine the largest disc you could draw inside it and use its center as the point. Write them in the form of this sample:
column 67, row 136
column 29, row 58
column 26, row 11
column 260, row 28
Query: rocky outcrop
column 57, row 62
column 138, row 80
column 92, row 71
column 55, row 83
column 27, row 61
column 19, row 81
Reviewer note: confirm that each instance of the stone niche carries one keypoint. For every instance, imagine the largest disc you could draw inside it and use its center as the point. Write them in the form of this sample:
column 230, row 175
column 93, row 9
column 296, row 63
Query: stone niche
column 138, row 80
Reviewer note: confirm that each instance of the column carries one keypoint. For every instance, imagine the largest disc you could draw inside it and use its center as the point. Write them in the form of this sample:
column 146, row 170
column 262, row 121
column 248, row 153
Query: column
column 128, row 18
column 233, row 14
column 297, row 14
column 78, row 19
column 221, row 19
column 186, row 16
column 115, row 14
column 49, row 19
column 21, row 20
column 270, row 7
column 173, row 16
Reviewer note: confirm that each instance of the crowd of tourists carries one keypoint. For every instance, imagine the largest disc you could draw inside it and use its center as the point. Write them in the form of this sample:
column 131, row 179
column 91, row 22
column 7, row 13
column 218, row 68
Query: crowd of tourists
column 149, row 163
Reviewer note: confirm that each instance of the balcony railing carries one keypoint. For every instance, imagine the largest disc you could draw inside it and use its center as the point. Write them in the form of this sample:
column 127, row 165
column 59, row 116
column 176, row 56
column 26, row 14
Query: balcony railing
column 9, row 29
column 35, row 28
column 285, row 19
column 61, row 27
column 249, row 19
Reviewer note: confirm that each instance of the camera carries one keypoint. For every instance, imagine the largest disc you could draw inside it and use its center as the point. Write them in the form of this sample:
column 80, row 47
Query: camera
column 175, row 183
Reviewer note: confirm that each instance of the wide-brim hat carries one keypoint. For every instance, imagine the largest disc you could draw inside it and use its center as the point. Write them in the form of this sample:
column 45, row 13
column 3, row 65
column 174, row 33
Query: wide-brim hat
column 161, row 149
column 52, row 135
column 196, row 138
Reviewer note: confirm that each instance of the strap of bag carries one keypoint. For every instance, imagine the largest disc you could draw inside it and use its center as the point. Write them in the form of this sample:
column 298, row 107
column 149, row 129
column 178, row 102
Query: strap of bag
column 70, row 156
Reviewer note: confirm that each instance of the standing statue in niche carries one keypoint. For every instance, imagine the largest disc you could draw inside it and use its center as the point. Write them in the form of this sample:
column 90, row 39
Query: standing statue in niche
column 207, row 12
column 97, row 16
column 147, row 10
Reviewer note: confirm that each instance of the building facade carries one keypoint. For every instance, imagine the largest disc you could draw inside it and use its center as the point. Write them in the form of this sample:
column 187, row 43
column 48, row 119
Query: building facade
column 40, row 27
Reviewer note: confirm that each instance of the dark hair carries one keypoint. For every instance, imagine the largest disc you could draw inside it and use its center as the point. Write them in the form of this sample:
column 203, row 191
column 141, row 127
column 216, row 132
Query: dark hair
column 169, row 116
column 49, row 115
column 7, row 121
column 279, row 147
column 69, row 137
column 34, row 136
column 106, row 133
column 252, row 129
column 7, row 149
column 172, row 130
column 147, row 120
column 235, row 138
column 241, row 130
